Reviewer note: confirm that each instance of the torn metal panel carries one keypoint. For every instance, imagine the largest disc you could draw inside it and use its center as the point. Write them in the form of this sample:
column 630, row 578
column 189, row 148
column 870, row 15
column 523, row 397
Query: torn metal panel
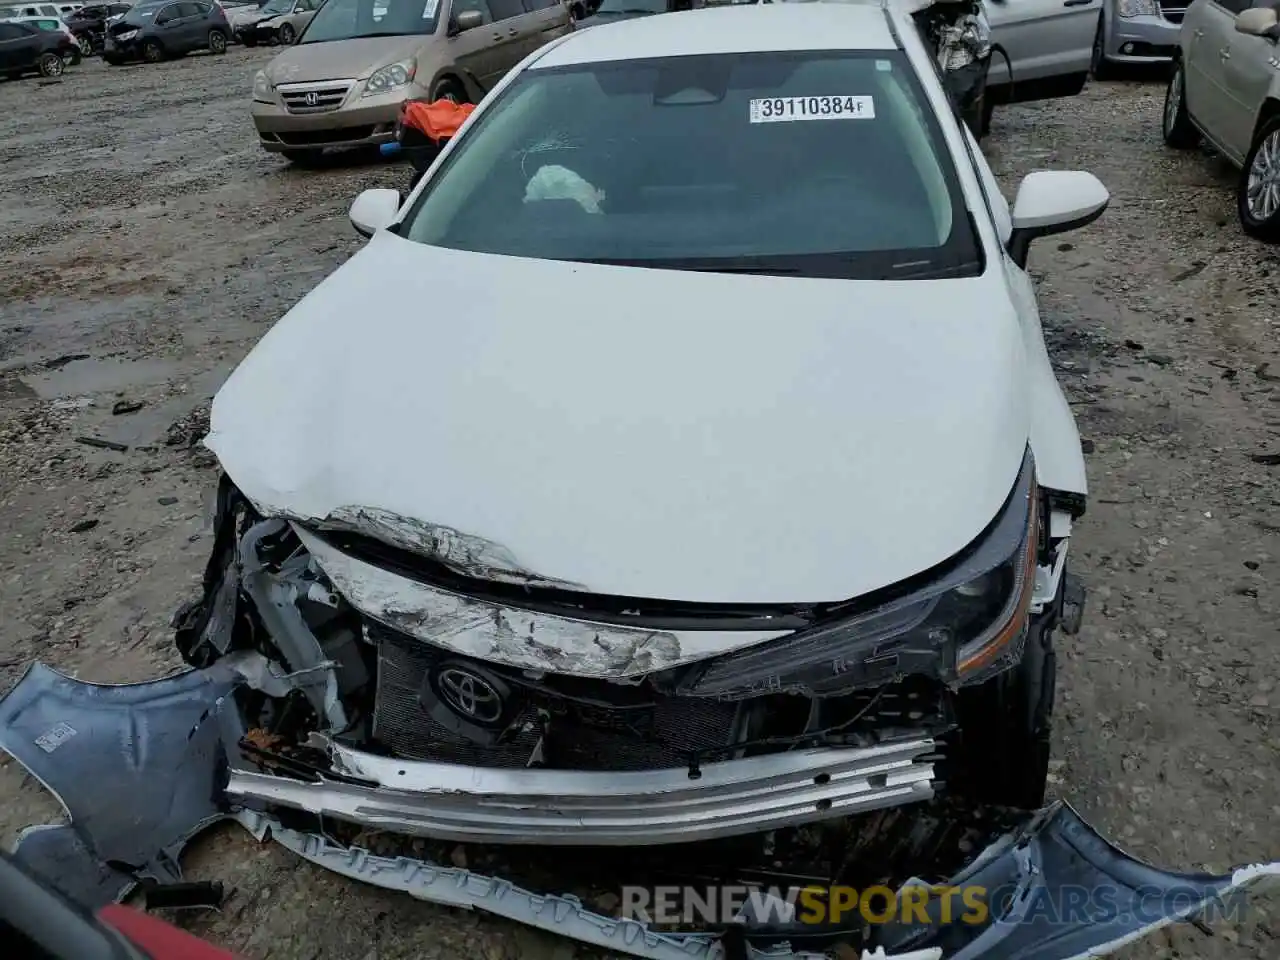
column 136, row 767
column 654, row 807
column 466, row 553
column 563, row 915
column 1059, row 891
column 518, row 638
column 275, row 596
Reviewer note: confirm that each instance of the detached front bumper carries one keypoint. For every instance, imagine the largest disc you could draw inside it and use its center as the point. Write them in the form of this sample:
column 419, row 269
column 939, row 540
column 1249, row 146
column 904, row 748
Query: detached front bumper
column 652, row 807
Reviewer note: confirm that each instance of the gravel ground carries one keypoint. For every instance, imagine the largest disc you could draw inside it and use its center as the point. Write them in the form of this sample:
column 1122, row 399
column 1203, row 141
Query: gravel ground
column 146, row 242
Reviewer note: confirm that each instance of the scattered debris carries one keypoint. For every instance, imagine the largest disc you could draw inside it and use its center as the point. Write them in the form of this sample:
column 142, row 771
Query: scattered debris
column 103, row 444
column 1266, row 459
column 127, row 406
column 57, row 363
column 166, row 501
column 82, row 526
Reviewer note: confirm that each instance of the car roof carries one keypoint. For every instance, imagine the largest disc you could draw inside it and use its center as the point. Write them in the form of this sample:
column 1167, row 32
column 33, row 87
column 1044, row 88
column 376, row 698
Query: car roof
column 756, row 28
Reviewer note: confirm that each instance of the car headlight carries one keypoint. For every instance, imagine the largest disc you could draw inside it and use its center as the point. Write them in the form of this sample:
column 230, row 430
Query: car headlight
column 386, row 79
column 262, row 91
column 1139, row 8
column 126, row 35
column 960, row 628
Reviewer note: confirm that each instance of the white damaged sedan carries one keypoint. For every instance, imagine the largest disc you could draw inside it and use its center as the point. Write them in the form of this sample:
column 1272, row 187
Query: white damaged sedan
column 681, row 461
column 692, row 416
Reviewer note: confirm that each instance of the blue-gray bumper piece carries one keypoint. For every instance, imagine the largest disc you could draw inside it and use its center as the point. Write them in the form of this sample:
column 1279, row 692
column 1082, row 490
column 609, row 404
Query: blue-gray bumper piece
column 136, row 766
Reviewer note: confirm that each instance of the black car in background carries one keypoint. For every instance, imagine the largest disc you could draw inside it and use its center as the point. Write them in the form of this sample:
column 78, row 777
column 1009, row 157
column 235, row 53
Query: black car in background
column 89, row 24
column 156, row 30
column 27, row 49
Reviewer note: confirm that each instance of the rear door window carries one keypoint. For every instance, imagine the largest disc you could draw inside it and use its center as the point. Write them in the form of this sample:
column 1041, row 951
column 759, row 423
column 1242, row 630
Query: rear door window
column 506, row 9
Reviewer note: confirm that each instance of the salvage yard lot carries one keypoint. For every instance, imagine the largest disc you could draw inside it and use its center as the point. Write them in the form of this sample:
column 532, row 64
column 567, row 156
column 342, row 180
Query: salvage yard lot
column 146, row 242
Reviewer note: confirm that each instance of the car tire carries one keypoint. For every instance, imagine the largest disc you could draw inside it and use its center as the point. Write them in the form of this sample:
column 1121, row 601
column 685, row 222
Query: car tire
column 1100, row 68
column 450, row 90
column 50, row 65
column 152, row 52
column 1175, row 123
column 73, row 58
column 217, row 42
column 1005, row 725
column 303, row 158
column 86, row 46
column 1258, row 190
column 286, row 35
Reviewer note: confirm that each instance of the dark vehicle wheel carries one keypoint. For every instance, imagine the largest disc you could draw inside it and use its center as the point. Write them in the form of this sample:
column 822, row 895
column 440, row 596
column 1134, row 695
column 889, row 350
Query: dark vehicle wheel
column 217, row 41
column 1258, row 191
column 1099, row 67
column 50, row 65
column 450, row 90
column 303, row 158
column 1175, row 124
column 285, row 35
column 1005, row 724
column 72, row 58
column 152, row 52
column 86, row 46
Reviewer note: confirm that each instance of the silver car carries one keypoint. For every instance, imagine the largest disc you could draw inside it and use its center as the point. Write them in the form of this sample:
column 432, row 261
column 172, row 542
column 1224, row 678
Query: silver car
column 1136, row 32
column 1225, row 89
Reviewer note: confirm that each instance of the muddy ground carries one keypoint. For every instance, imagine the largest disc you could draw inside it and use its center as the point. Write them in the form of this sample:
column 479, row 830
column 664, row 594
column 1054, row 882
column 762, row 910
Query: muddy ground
column 146, row 242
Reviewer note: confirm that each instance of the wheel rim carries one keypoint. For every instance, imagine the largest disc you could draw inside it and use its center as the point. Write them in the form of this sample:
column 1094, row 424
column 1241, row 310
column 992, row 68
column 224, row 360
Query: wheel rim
column 151, row 52
column 53, row 67
column 1262, row 190
column 1173, row 100
column 286, row 35
column 217, row 42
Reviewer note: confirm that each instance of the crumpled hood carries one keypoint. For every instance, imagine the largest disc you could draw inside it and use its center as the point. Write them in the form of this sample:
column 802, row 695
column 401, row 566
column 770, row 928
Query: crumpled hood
column 339, row 59
column 663, row 434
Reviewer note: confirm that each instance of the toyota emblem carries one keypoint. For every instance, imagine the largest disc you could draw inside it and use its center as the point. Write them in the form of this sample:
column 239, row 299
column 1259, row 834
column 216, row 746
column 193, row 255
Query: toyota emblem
column 312, row 98
column 469, row 695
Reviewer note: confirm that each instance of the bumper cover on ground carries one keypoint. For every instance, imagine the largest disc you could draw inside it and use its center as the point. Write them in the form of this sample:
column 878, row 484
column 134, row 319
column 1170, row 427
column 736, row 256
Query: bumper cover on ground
column 137, row 767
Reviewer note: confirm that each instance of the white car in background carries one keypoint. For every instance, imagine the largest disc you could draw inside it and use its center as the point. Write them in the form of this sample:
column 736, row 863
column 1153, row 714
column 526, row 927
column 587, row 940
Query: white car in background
column 1225, row 87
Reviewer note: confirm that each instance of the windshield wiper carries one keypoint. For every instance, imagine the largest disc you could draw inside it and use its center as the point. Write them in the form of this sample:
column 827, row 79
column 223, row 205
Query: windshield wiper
column 699, row 266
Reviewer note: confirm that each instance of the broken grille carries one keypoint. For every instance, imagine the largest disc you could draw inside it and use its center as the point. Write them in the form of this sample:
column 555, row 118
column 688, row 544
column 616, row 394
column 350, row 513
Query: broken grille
column 564, row 733
column 308, row 98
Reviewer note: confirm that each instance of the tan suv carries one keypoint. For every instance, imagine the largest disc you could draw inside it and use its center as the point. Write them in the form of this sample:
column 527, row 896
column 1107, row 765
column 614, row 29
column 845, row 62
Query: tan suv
column 342, row 83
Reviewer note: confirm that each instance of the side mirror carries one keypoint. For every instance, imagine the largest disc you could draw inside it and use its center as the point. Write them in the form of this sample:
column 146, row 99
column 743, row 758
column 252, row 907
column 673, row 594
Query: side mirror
column 374, row 210
column 1053, row 201
column 1259, row 22
column 468, row 20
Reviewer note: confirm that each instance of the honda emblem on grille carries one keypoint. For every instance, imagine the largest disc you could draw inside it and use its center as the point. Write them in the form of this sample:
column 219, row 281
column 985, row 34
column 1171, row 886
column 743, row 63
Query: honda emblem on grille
column 469, row 695
column 311, row 99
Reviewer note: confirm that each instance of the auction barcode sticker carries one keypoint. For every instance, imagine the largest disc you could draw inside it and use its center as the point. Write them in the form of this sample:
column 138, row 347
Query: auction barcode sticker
column 782, row 109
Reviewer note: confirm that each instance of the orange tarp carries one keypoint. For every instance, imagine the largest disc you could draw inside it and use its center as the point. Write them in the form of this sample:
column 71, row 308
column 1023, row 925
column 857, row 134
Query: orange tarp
column 439, row 119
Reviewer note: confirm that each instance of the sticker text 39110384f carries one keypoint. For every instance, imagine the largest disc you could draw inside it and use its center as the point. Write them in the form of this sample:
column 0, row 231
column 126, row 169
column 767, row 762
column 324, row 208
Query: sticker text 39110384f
column 782, row 109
